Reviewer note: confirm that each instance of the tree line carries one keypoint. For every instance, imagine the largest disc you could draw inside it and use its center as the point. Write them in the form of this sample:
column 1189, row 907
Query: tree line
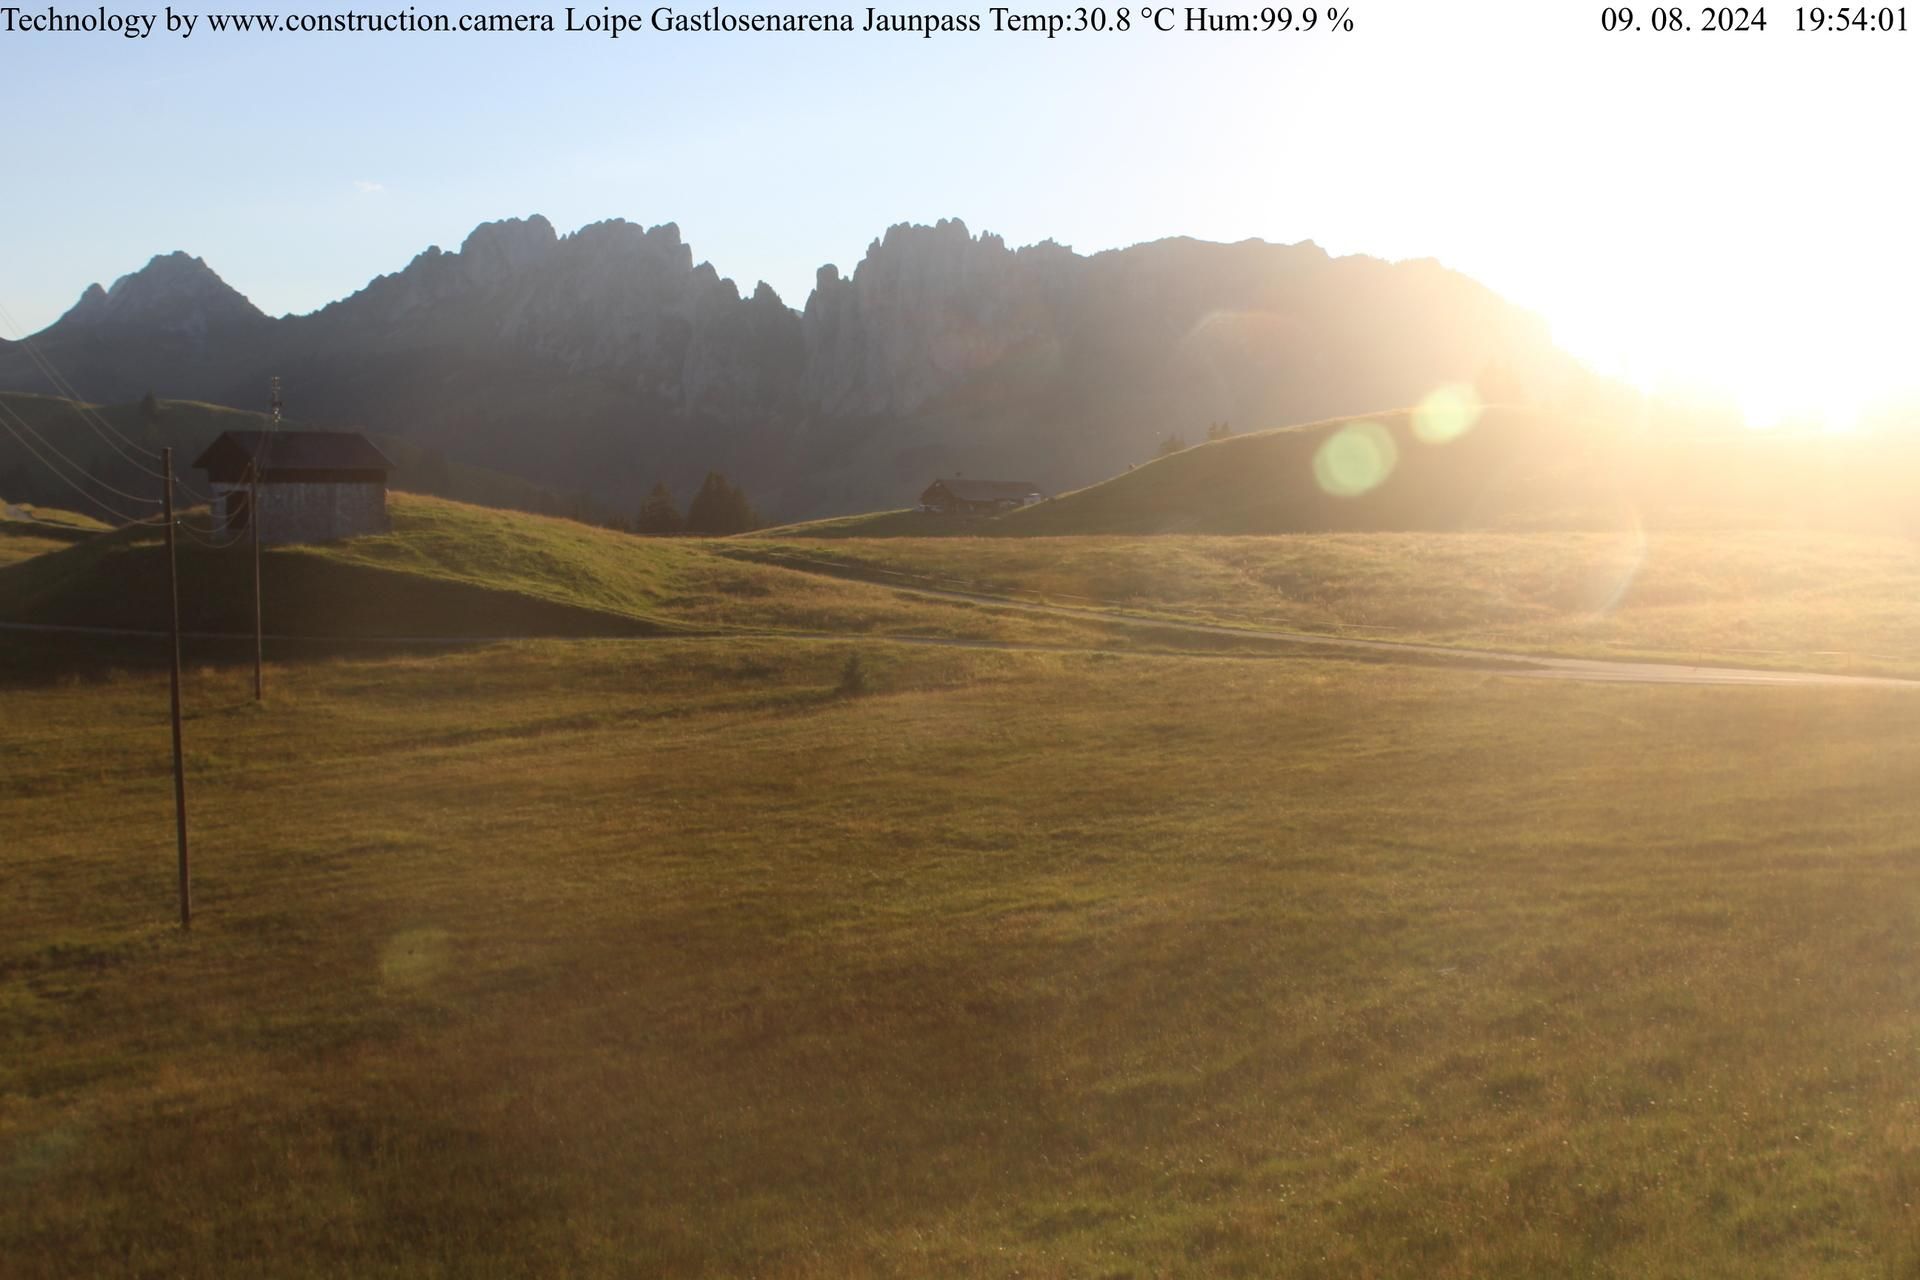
column 719, row 507
column 1178, row 440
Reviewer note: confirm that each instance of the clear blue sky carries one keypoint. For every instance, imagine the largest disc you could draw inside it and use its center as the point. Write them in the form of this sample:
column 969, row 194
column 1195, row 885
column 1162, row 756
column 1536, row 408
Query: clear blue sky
column 1633, row 188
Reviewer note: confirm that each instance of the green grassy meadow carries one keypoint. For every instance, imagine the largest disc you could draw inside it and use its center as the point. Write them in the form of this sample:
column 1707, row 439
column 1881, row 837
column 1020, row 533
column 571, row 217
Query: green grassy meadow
column 661, row 957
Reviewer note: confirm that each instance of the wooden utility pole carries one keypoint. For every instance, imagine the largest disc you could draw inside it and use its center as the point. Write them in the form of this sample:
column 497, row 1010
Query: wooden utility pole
column 253, row 522
column 179, row 760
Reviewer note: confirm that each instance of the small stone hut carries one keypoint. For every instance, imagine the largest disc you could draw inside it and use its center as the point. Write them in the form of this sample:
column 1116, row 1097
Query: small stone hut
column 314, row 486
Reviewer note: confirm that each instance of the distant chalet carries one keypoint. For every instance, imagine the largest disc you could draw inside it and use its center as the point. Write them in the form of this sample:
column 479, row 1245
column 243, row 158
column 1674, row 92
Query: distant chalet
column 978, row 497
column 315, row 486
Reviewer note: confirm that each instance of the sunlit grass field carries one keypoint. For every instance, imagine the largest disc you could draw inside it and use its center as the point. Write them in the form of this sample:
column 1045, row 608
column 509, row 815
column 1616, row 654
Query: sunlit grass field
column 664, row 957
column 39, row 530
column 1796, row 598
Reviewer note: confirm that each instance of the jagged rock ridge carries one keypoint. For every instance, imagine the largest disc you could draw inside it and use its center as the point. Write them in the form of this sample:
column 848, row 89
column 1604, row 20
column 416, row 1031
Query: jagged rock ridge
column 608, row 358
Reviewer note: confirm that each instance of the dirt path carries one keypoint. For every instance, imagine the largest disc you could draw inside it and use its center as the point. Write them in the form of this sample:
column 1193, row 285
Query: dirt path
column 1522, row 665
column 1518, row 665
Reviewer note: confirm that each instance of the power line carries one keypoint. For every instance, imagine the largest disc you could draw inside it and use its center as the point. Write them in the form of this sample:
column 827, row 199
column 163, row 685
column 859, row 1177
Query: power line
column 113, row 436
column 208, row 538
column 117, row 514
column 208, row 532
column 67, row 389
column 29, row 429
column 106, row 431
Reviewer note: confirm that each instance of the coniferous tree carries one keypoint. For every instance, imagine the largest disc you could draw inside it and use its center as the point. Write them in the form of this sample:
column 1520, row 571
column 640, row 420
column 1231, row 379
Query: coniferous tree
column 720, row 508
column 658, row 514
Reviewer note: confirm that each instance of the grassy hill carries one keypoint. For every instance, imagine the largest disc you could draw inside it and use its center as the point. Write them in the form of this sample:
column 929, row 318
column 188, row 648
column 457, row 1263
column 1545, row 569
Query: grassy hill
column 188, row 427
column 1503, row 468
column 451, row 569
column 1371, row 473
column 1510, row 530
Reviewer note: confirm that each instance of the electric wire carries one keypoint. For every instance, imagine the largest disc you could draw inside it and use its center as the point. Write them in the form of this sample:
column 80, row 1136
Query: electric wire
column 114, row 437
column 212, row 543
column 209, row 536
column 45, row 364
column 115, row 440
column 97, row 422
column 178, row 483
column 111, row 510
column 29, row 429
column 105, row 431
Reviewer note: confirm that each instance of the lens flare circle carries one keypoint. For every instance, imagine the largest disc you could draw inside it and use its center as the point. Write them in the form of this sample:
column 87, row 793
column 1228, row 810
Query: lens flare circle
column 1447, row 414
column 1356, row 459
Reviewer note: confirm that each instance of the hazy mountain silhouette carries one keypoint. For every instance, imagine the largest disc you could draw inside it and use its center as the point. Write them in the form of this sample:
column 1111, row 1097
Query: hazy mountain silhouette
column 606, row 359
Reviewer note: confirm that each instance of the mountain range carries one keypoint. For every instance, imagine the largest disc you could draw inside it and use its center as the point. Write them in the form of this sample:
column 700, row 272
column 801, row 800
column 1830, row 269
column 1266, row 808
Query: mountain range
column 606, row 359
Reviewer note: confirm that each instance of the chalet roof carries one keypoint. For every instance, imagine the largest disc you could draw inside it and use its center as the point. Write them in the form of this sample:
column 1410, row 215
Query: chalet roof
column 987, row 490
column 294, row 451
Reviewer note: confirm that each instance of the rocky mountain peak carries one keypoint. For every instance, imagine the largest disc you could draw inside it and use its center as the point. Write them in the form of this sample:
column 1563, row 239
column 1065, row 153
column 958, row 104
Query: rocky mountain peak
column 496, row 251
column 926, row 308
column 175, row 293
column 90, row 309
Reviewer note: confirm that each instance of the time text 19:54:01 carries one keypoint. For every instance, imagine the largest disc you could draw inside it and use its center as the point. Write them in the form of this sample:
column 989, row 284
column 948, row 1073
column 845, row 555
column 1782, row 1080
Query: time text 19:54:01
column 1724, row 18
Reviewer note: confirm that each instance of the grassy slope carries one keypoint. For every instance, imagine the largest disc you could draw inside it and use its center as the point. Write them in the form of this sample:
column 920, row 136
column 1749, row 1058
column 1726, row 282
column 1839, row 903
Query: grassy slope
column 1515, row 469
column 449, row 570
column 1819, row 600
column 612, row 959
column 1265, row 482
column 45, row 529
column 64, row 520
column 1525, row 532
column 1829, row 601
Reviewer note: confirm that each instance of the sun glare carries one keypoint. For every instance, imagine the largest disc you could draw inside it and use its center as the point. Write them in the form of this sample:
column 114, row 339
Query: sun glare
column 1787, row 345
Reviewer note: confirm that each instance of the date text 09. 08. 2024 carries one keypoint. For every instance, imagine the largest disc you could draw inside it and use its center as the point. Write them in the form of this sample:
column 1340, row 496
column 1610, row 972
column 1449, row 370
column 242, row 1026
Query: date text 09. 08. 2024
column 1725, row 18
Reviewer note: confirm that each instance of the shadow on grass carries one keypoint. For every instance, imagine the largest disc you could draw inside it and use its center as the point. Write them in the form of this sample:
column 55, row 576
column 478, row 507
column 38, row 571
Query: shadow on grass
column 30, row 660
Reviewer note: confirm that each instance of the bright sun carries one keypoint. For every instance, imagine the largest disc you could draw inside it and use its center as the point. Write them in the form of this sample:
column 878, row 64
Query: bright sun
column 1799, row 348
